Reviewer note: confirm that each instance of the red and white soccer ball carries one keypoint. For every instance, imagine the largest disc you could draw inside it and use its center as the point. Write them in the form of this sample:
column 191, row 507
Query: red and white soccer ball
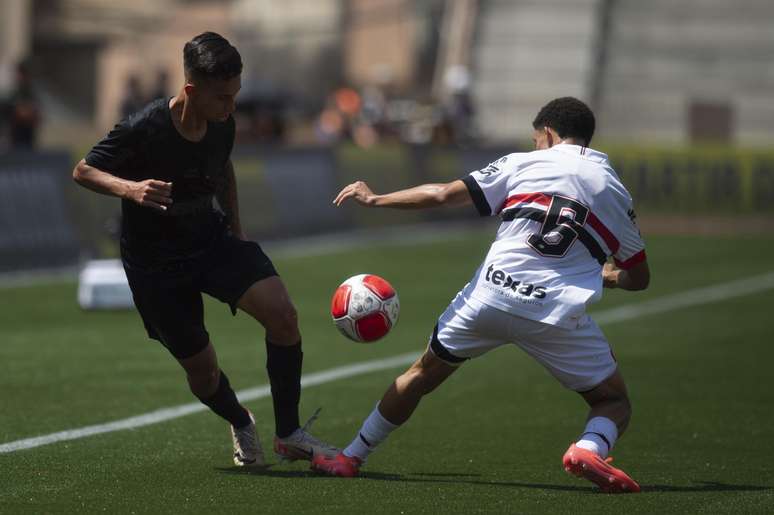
column 365, row 307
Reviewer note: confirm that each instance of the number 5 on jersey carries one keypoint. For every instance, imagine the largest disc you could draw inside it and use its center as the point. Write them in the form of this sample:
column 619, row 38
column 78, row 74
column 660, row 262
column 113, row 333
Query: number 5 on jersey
column 559, row 230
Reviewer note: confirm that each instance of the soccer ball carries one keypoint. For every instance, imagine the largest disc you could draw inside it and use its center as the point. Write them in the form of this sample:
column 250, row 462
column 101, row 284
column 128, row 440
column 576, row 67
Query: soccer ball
column 365, row 307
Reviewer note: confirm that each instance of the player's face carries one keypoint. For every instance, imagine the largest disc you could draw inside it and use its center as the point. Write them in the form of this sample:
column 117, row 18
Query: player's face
column 215, row 100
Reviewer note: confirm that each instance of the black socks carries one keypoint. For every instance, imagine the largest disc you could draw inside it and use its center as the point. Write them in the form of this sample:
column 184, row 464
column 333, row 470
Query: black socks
column 283, row 364
column 224, row 403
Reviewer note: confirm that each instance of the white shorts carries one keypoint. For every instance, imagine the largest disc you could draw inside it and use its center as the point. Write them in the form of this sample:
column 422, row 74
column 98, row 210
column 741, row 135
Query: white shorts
column 579, row 358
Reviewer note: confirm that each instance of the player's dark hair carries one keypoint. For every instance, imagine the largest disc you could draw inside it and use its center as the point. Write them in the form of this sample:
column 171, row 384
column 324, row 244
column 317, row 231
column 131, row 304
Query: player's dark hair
column 211, row 56
column 569, row 117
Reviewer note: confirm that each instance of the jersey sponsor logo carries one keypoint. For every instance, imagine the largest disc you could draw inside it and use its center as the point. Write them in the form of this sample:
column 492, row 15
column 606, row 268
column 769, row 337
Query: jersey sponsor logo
column 505, row 281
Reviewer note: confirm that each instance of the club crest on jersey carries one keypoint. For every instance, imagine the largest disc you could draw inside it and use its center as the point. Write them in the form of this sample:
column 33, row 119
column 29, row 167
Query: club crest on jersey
column 505, row 281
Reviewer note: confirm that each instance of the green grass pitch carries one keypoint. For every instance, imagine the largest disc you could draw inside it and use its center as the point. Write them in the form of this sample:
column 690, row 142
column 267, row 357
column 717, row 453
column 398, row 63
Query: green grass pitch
column 488, row 441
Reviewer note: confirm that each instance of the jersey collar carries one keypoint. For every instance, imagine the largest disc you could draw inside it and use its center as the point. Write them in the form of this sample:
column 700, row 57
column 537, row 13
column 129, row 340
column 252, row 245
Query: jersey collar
column 584, row 152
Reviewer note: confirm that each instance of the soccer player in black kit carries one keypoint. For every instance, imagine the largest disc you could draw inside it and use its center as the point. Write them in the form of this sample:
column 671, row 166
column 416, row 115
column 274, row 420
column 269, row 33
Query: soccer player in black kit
column 166, row 163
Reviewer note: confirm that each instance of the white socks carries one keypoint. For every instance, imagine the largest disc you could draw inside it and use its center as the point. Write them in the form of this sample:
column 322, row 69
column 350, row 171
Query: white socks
column 599, row 436
column 374, row 431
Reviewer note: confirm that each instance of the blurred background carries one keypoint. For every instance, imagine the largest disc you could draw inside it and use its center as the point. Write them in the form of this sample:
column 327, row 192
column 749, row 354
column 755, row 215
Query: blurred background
column 396, row 92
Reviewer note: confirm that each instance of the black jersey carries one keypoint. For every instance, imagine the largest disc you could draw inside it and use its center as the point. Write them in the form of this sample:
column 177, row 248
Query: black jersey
column 146, row 145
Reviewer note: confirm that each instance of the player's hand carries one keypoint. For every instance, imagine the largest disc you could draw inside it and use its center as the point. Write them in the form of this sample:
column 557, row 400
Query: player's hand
column 151, row 193
column 357, row 191
column 610, row 275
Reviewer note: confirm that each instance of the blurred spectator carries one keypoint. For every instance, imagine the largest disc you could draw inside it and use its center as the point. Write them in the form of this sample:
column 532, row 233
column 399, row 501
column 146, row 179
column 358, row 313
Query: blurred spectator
column 23, row 111
column 347, row 101
column 5, row 115
column 374, row 105
column 329, row 128
column 368, row 117
column 456, row 124
column 348, row 115
column 161, row 87
column 261, row 117
column 133, row 100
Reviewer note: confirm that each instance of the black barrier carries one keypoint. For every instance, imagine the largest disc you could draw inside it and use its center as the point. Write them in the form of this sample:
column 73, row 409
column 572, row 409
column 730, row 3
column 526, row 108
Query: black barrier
column 762, row 186
column 35, row 231
column 303, row 182
column 288, row 192
column 698, row 180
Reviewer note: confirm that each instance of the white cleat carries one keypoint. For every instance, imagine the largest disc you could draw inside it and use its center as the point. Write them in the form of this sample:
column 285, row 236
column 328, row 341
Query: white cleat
column 247, row 446
column 301, row 445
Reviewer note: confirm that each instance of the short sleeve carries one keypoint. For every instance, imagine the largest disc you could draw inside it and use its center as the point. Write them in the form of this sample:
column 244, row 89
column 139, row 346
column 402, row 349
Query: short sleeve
column 118, row 151
column 488, row 187
column 631, row 248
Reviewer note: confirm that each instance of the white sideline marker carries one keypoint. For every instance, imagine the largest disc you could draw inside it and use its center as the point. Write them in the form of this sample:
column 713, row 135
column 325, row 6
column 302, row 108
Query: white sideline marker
column 695, row 297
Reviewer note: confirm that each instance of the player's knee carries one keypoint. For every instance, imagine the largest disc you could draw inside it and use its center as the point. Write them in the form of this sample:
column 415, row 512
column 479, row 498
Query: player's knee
column 283, row 326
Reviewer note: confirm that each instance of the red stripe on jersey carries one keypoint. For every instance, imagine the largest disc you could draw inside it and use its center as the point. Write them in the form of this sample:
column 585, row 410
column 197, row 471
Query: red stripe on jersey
column 538, row 198
column 635, row 259
column 610, row 240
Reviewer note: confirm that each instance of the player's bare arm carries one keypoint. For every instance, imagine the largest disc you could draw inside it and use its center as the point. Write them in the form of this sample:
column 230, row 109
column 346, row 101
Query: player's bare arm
column 149, row 193
column 633, row 279
column 453, row 193
column 226, row 193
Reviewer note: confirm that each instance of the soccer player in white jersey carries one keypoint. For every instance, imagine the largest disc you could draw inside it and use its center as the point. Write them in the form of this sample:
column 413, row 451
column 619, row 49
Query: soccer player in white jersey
column 564, row 214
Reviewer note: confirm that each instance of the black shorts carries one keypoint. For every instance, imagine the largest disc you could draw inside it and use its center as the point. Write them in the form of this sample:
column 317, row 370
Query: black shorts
column 169, row 299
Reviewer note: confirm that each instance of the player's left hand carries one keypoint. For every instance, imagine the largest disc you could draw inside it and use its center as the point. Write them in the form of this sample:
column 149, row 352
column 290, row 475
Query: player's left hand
column 358, row 191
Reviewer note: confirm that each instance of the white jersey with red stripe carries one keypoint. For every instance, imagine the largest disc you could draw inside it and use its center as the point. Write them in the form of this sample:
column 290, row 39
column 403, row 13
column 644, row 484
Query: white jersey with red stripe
column 564, row 211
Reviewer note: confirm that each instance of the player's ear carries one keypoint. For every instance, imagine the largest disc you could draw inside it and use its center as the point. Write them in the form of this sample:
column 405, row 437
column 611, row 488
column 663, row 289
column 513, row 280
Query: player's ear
column 190, row 89
column 549, row 136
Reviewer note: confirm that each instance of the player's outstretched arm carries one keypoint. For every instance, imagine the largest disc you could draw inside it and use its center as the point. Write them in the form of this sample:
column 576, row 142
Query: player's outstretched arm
column 633, row 279
column 453, row 193
column 149, row 193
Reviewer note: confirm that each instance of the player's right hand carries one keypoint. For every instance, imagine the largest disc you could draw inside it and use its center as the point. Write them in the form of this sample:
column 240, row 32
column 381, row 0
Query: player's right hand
column 358, row 191
column 151, row 193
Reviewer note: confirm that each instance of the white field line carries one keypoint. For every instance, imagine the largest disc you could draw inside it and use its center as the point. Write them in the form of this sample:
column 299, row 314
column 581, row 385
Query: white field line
column 695, row 297
column 164, row 414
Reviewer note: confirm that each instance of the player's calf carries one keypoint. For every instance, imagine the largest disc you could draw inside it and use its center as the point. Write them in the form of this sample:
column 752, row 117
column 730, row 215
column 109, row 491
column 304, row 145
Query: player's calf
column 403, row 396
column 610, row 400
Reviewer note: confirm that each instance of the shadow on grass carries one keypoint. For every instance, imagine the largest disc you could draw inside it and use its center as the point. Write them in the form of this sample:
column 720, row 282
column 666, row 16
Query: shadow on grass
column 426, row 477
column 705, row 486
column 462, row 478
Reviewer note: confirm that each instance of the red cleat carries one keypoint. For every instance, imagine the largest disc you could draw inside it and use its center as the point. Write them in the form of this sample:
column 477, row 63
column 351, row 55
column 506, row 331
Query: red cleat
column 584, row 463
column 339, row 465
